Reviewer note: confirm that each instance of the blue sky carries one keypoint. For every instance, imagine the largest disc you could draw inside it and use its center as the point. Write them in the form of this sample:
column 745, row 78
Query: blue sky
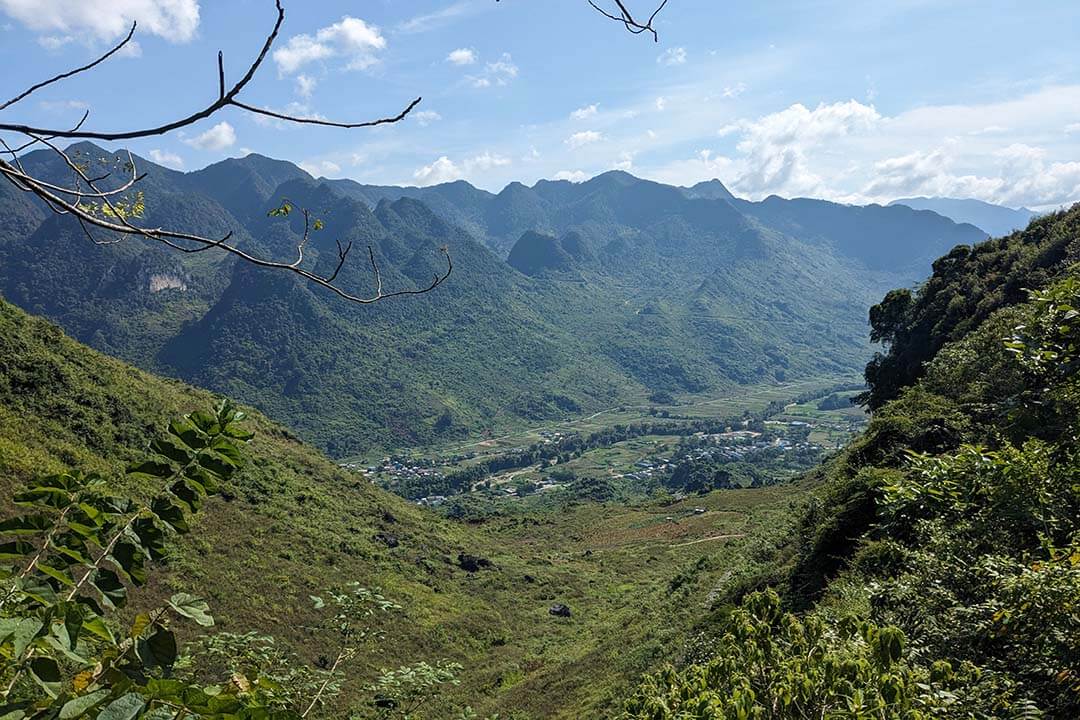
column 852, row 101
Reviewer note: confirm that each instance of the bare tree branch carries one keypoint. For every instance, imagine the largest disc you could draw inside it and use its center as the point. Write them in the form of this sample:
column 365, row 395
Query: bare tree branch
column 627, row 19
column 110, row 209
column 225, row 99
column 69, row 73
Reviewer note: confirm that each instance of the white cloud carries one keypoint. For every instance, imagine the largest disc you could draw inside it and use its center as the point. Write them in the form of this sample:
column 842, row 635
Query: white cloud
column 54, row 42
column 462, row 56
column 584, row 113
column 350, row 39
column 1022, row 176
column 661, row 104
column 585, row 137
column 486, row 161
column 775, row 146
column 500, row 72
column 441, row 171
column 174, row 20
column 625, row 162
column 446, row 170
column 574, row 176
column 430, row 21
column 218, row 137
column 305, row 85
column 1072, row 128
column 733, row 91
column 167, row 159
column 62, row 105
column 1011, row 152
column 531, row 156
column 320, row 168
column 673, row 56
column 426, row 117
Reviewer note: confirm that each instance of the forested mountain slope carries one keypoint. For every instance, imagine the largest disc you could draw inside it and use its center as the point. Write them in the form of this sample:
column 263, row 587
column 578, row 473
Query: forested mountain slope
column 939, row 566
column 894, row 239
column 653, row 288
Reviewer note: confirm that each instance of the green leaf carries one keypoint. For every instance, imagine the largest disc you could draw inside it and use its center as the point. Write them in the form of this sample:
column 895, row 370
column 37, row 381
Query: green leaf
column 130, row 558
column 192, row 607
column 218, row 465
column 25, row 525
column 16, row 550
column 39, row 590
column 58, row 575
column 46, row 672
column 188, row 434
column 172, row 450
column 159, row 650
column 25, row 631
column 151, row 469
column 189, row 492
column 205, row 421
column 111, row 588
column 53, row 497
column 96, row 625
column 170, row 513
column 123, row 708
column 76, row 707
column 151, row 536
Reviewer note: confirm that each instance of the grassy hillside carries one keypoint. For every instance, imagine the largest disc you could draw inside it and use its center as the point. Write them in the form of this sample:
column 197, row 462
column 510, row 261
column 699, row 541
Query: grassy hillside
column 293, row 524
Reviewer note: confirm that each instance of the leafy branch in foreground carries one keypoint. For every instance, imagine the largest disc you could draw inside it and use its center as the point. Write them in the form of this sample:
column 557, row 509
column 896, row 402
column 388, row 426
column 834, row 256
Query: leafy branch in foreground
column 80, row 548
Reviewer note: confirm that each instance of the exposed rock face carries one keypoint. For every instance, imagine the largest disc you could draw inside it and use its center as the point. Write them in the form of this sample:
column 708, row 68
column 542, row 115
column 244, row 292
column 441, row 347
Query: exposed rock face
column 473, row 563
column 559, row 610
column 387, row 539
column 166, row 282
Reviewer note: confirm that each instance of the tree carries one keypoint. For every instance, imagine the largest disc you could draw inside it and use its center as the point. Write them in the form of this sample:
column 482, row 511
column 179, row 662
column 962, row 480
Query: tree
column 107, row 203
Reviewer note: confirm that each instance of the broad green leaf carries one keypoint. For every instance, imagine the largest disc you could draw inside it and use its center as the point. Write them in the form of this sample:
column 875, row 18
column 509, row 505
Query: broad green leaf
column 123, row 708
column 58, row 575
column 159, row 650
column 172, row 450
column 130, row 558
column 170, row 513
column 192, row 607
column 46, row 672
column 190, row 435
column 96, row 625
column 151, row 537
column 16, row 549
column 111, row 588
column 77, row 706
column 25, row 631
column 25, row 525
column 151, row 469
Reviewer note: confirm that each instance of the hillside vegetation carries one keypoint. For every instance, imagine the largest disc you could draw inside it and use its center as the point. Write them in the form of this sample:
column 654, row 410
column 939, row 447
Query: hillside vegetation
column 292, row 524
column 619, row 288
column 938, row 567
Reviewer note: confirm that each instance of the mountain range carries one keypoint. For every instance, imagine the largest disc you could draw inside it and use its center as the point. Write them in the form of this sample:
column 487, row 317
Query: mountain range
column 996, row 220
column 566, row 297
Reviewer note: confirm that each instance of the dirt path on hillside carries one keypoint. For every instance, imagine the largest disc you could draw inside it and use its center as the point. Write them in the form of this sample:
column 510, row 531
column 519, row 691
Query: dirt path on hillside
column 709, row 539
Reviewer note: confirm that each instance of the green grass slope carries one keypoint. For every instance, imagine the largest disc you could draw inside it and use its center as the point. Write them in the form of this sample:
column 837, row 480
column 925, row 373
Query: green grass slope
column 293, row 524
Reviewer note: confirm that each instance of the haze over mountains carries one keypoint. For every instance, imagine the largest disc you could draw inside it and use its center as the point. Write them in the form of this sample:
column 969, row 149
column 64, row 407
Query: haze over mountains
column 565, row 297
column 996, row 220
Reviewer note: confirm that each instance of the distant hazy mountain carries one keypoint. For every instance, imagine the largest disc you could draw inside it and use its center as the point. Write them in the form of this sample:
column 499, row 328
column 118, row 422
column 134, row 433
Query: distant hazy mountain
column 613, row 289
column 996, row 220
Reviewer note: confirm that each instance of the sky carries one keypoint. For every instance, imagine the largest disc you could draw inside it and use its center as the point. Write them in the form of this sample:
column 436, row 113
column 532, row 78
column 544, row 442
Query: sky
column 849, row 101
